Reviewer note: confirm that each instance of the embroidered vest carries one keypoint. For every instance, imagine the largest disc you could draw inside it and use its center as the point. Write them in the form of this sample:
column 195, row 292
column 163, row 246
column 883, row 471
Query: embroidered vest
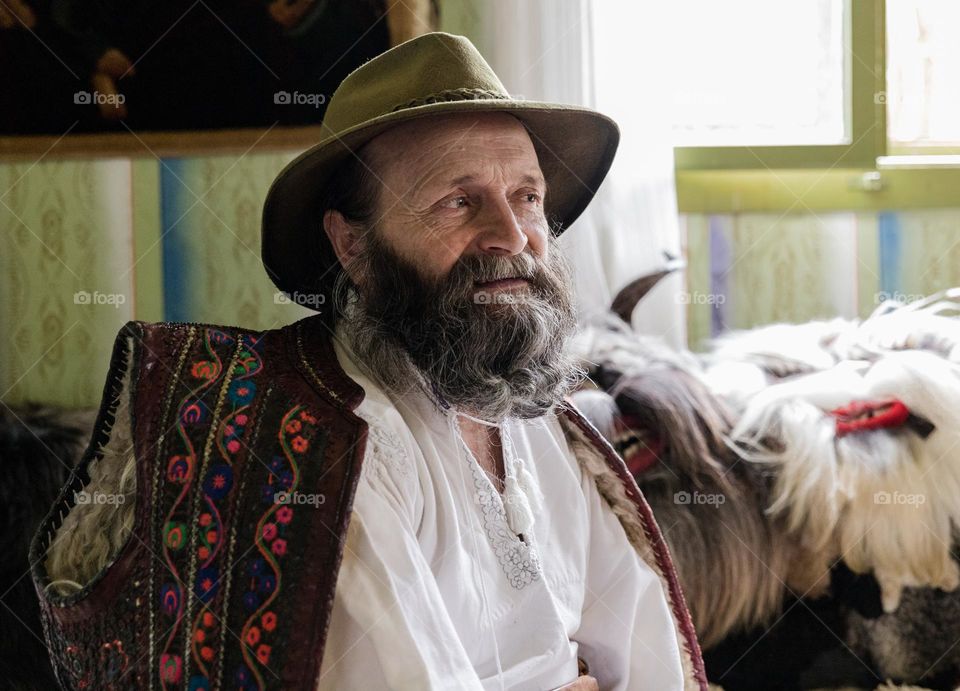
column 228, row 579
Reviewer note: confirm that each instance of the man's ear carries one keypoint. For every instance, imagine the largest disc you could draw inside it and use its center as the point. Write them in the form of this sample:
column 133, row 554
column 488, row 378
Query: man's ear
column 345, row 238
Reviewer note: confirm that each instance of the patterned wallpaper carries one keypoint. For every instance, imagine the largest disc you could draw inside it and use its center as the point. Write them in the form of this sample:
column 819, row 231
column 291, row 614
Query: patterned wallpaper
column 87, row 245
column 63, row 232
column 211, row 247
column 751, row 269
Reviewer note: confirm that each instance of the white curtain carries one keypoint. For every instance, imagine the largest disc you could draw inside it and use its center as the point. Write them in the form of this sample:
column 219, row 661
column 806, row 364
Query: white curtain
column 612, row 55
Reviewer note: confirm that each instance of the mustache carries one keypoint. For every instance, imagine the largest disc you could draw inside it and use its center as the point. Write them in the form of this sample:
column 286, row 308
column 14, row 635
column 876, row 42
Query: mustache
column 474, row 269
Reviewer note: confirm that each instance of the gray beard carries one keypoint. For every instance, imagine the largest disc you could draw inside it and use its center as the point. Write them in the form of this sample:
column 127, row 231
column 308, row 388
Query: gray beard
column 505, row 357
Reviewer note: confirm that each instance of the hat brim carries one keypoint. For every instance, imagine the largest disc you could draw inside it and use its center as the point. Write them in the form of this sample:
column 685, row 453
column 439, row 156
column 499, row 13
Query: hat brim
column 575, row 147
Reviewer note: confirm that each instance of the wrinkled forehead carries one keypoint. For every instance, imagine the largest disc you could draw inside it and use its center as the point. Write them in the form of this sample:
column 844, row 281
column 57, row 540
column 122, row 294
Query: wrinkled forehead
column 455, row 144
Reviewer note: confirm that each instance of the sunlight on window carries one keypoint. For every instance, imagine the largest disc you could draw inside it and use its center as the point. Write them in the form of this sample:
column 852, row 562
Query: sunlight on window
column 923, row 71
column 755, row 72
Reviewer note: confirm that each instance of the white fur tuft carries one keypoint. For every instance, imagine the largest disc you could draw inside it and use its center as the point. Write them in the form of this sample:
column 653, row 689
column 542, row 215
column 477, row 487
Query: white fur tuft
column 887, row 499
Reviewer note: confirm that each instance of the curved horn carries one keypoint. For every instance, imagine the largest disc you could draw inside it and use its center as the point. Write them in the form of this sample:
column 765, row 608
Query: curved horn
column 628, row 297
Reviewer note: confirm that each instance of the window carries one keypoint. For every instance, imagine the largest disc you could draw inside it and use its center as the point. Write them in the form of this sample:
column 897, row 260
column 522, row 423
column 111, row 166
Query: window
column 923, row 73
column 807, row 76
column 728, row 92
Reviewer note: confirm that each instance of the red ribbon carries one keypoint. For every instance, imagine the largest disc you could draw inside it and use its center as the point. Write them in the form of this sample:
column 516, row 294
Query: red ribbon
column 863, row 416
column 650, row 451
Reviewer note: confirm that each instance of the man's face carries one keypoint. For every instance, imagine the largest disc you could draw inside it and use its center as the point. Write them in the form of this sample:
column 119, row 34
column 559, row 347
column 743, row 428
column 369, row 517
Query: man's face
column 457, row 186
column 457, row 277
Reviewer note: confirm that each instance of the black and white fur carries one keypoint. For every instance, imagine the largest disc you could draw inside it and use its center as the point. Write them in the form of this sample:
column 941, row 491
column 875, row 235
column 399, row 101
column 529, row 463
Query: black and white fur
column 801, row 561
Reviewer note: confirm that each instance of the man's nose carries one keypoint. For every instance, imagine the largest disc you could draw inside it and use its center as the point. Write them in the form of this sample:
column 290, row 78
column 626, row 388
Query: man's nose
column 501, row 232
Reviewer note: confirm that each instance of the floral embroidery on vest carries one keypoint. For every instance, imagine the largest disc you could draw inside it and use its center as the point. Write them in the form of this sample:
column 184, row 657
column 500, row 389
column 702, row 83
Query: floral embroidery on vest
column 280, row 493
column 193, row 529
column 204, row 546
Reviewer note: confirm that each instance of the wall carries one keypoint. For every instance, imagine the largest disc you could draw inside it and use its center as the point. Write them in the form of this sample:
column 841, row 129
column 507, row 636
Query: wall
column 750, row 269
column 87, row 245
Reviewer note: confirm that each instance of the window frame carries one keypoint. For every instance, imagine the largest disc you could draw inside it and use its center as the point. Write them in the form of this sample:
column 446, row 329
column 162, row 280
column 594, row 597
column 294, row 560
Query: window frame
column 865, row 174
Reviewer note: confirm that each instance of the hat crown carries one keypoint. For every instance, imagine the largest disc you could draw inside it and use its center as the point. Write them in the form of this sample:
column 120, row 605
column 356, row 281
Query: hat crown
column 433, row 67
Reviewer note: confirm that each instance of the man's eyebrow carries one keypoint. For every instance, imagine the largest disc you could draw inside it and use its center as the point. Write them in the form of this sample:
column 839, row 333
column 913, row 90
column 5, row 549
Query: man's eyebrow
column 527, row 179
column 537, row 180
column 462, row 179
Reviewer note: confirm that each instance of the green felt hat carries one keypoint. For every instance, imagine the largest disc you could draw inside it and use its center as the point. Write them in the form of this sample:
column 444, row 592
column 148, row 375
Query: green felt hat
column 429, row 75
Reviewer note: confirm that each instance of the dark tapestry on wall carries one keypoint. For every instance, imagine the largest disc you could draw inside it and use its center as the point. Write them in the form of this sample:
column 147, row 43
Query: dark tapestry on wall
column 153, row 65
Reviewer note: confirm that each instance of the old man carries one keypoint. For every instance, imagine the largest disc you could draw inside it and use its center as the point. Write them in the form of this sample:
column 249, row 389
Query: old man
column 395, row 492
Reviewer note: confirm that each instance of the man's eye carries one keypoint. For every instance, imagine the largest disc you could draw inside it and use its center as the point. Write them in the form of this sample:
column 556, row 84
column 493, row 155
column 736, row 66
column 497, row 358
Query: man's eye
column 532, row 197
column 456, row 202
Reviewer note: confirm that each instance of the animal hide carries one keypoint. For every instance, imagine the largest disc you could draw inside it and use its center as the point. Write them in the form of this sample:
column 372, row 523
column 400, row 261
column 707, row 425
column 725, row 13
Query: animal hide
column 38, row 448
column 775, row 483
